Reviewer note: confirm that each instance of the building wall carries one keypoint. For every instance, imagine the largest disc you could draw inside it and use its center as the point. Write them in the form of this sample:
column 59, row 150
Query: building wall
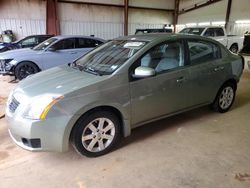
column 107, row 22
column 217, row 12
column 140, row 19
column 239, row 11
column 26, row 17
column 117, row 2
column 23, row 17
column 213, row 12
column 101, row 21
column 161, row 4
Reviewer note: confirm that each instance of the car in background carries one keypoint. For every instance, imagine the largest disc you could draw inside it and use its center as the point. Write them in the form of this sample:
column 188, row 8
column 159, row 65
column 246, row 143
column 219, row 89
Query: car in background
column 232, row 42
column 146, row 31
column 124, row 83
column 55, row 51
column 27, row 42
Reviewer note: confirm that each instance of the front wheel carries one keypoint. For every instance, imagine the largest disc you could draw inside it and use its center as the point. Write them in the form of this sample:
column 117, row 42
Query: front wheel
column 225, row 98
column 25, row 69
column 96, row 134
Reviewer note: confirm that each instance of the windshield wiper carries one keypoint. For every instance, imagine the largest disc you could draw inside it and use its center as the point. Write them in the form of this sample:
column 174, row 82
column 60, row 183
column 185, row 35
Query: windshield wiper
column 85, row 69
column 91, row 70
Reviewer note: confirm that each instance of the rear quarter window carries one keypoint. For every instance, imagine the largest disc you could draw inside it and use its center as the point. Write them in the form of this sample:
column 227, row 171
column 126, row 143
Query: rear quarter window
column 87, row 43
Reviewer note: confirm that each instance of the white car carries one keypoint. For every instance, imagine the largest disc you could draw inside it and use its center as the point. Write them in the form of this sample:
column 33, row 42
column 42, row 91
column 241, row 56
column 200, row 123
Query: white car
column 55, row 51
column 232, row 42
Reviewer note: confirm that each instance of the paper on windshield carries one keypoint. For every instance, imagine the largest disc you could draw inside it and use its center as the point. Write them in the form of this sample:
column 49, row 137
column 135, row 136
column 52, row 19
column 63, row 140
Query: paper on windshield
column 133, row 44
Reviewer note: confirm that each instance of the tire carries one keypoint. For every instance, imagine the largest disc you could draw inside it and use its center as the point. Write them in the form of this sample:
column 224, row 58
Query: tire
column 234, row 48
column 25, row 69
column 101, row 130
column 225, row 98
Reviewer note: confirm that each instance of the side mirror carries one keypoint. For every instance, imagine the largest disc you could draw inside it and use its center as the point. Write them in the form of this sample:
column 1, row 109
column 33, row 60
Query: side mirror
column 51, row 49
column 19, row 45
column 143, row 72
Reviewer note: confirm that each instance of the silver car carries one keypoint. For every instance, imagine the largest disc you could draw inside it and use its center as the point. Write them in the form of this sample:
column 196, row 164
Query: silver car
column 118, row 86
column 55, row 51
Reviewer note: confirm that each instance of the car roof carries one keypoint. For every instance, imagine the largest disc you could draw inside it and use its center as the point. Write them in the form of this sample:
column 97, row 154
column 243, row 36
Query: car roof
column 76, row 36
column 164, row 36
column 40, row 36
column 204, row 27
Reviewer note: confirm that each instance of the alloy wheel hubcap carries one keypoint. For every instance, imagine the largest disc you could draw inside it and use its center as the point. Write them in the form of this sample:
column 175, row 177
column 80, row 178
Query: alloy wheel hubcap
column 98, row 134
column 226, row 97
column 26, row 70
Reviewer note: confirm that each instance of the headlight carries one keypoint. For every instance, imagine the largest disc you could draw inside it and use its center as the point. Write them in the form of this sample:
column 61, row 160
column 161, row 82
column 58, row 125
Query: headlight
column 40, row 106
column 6, row 61
column 12, row 62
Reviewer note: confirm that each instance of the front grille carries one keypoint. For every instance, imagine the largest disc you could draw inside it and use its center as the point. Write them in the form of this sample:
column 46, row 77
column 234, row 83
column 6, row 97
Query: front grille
column 13, row 105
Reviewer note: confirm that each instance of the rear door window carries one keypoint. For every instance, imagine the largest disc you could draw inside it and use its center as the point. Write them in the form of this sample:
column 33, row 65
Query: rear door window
column 203, row 51
column 210, row 32
column 219, row 32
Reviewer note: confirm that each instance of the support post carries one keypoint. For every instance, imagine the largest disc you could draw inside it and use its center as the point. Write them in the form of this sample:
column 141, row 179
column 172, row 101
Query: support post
column 229, row 3
column 51, row 17
column 176, row 13
column 126, row 17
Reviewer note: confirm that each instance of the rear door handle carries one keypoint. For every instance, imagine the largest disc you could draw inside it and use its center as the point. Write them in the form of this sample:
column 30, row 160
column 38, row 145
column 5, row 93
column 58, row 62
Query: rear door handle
column 73, row 52
column 181, row 79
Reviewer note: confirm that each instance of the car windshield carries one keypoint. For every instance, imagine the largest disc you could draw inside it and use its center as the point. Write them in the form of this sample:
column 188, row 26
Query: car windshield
column 17, row 41
column 45, row 44
column 195, row 31
column 107, row 58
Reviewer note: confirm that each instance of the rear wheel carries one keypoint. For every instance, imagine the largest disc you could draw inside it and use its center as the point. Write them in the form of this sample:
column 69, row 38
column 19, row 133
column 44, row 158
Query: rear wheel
column 25, row 69
column 234, row 48
column 96, row 134
column 225, row 98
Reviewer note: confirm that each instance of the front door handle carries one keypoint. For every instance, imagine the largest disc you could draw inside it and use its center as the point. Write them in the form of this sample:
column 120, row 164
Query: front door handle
column 180, row 80
column 73, row 52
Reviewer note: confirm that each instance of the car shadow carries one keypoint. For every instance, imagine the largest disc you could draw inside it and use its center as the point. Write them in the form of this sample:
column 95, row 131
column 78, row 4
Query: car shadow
column 174, row 122
column 183, row 119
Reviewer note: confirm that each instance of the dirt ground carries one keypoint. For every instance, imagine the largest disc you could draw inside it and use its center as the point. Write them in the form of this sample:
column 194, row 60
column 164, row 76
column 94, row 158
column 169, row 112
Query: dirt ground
column 196, row 149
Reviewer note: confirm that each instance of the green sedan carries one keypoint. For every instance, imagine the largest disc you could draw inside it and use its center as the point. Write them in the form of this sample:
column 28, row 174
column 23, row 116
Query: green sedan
column 120, row 85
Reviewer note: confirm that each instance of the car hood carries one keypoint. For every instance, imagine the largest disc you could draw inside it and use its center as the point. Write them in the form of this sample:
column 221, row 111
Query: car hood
column 5, row 44
column 12, row 54
column 60, row 80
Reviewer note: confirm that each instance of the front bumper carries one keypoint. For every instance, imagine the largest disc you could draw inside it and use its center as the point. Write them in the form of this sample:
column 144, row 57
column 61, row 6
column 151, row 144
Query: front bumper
column 5, row 70
column 39, row 135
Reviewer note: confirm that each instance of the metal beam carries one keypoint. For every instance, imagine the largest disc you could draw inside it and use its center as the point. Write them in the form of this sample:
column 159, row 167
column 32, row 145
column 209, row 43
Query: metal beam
column 91, row 3
column 176, row 13
column 229, row 3
column 197, row 6
column 51, row 17
column 126, row 17
column 149, row 8
column 114, row 5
